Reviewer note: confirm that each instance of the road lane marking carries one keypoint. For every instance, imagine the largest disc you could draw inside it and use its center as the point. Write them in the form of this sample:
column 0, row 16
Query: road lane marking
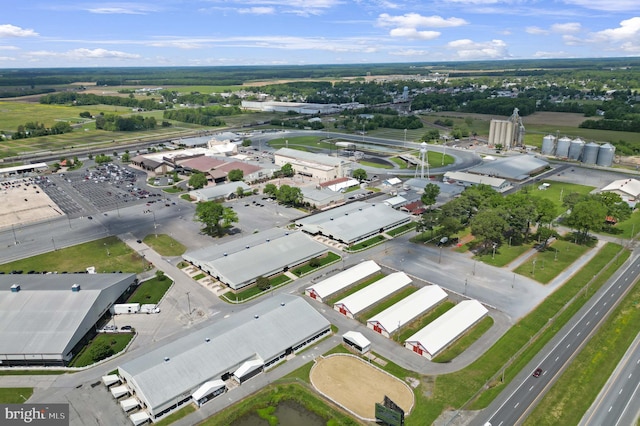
column 588, row 322
column 578, row 334
column 531, row 388
column 630, row 375
column 568, row 345
column 620, row 392
column 557, row 358
column 516, row 406
column 597, row 312
column 609, row 410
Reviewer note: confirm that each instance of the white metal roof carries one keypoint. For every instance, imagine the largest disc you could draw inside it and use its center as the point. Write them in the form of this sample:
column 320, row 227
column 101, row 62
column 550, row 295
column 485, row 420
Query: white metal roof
column 206, row 354
column 393, row 181
column 129, row 404
column 353, row 221
column 304, row 156
column 247, row 367
column 207, row 388
column 446, row 328
column 515, row 167
column 218, row 191
column 344, row 279
column 110, row 379
column 46, row 317
column 409, row 308
column 475, row 179
column 139, row 418
column 357, row 338
column 375, row 292
column 396, row 201
column 268, row 252
column 118, row 391
column 628, row 187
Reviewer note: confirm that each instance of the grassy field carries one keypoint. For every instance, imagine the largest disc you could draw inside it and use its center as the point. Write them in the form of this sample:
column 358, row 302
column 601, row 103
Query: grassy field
column 466, row 340
column 177, row 415
column 401, row 229
column 150, row 291
column 386, row 303
column 349, row 291
column 556, row 191
column 505, row 254
column 373, row 241
column 78, row 258
column 579, row 385
column 117, row 342
column 164, row 244
column 15, row 395
column 324, row 261
column 424, row 320
column 253, row 291
column 544, row 266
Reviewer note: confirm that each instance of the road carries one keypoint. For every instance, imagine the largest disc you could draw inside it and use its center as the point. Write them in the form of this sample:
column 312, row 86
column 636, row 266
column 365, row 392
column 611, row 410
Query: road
column 517, row 401
column 619, row 401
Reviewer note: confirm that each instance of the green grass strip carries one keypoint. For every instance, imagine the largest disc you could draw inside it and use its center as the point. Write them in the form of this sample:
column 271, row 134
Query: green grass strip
column 15, row 395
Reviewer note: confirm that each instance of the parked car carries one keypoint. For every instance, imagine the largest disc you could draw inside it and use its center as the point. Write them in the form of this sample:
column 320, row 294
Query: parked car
column 126, row 328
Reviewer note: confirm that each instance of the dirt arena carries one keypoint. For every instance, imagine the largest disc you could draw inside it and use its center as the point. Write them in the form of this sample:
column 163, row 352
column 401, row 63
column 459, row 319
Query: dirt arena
column 23, row 202
column 357, row 385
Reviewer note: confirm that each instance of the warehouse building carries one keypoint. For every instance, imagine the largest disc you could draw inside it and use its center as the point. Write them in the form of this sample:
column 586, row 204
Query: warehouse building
column 513, row 168
column 219, row 192
column 439, row 334
column 317, row 166
column 468, row 179
column 353, row 222
column 342, row 280
column 235, row 348
column 268, row 253
column 396, row 316
column 371, row 294
column 627, row 189
column 46, row 316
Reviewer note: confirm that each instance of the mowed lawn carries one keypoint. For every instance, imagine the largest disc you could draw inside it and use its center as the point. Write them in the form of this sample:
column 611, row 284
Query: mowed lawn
column 77, row 258
column 544, row 266
column 15, row 395
column 556, row 191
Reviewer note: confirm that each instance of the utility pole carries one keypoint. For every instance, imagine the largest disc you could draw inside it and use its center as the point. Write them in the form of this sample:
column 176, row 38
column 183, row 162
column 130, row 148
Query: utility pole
column 189, row 302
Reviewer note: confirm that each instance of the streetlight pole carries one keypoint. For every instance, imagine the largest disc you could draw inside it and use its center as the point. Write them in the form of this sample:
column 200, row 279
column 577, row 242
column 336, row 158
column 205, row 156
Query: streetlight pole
column 15, row 239
column 405, row 138
column 54, row 244
column 440, row 257
column 444, row 150
column 465, row 286
column 189, row 303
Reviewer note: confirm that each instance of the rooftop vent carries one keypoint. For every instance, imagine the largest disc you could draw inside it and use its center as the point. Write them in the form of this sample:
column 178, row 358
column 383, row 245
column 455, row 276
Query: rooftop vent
column 330, row 218
column 256, row 316
column 15, row 288
column 224, row 254
column 75, row 288
column 247, row 246
column 281, row 303
column 268, row 240
column 166, row 359
column 207, row 340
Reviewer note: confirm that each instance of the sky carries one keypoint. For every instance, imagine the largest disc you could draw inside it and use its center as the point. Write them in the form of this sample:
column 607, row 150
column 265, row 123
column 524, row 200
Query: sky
column 77, row 33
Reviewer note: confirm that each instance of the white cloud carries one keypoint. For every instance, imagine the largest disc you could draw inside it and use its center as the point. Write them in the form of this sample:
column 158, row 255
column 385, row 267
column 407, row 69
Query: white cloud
column 9, row 48
column 258, row 10
column 477, row 2
column 608, row 5
column 82, row 53
column 536, row 31
column 413, row 34
column 123, row 9
column 8, row 30
column 7, row 58
column 629, row 30
column 551, row 55
column 467, row 49
column 566, row 28
column 415, row 20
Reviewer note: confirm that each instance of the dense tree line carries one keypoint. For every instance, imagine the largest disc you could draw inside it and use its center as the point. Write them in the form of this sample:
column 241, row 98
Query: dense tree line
column 118, row 123
column 65, row 98
column 298, row 124
column 33, row 129
column 501, row 106
column 204, row 116
column 15, row 92
column 632, row 125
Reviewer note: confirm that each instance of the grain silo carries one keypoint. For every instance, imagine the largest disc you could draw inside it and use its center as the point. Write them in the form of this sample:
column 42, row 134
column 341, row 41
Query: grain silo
column 562, row 149
column 590, row 153
column 548, row 145
column 606, row 155
column 575, row 149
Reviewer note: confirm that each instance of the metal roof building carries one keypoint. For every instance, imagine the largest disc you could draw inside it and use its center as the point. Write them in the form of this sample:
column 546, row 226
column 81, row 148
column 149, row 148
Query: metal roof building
column 268, row 252
column 518, row 167
column 318, row 166
column 627, row 189
column 371, row 294
column 391, row 319
column 344, row 279
column 468, row 179
column 167, row 377
column 210, row 193
column 43, row 317
column 439, row 334
column 353, row 222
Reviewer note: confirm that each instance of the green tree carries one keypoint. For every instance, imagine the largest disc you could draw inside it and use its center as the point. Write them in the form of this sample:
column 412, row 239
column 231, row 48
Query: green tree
column 235, row 175
column 239, row 192
column 101, row 351
column 449, row 226
column 359, row 174
column 585, row 216
column 198, row 180
column 125, row 157
column 270, row 189
column 431, row 135
column 246, row 142
column 489, row 227
column 430, row 194
column 215, row 217
column 289, row 195
column 263, row 283
column 287, row 170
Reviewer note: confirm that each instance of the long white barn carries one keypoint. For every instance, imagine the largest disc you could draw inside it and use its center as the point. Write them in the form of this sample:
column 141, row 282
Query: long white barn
column 342, row 280
column 391, row 319
column 435, row 337
column 373, row 293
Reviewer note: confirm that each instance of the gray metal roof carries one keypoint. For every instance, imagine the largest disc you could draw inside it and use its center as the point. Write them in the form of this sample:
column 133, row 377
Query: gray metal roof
column 268, row 252
column 218, row 191
column 46, row 317
column 233, row 340
column 514, row 167
column 353, row 221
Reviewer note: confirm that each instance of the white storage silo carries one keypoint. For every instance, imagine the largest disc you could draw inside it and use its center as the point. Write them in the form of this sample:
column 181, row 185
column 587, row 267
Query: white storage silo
column 606, row 154
column 562, row 149
column 590, row 153
column 575, row 149
column 548, row 145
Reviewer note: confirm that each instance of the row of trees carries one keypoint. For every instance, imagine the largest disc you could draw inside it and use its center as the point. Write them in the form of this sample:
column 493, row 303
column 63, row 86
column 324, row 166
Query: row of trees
column 65, row 98
column 33, row 129
column 285, row 194
column 118, row 123
column 204, row 116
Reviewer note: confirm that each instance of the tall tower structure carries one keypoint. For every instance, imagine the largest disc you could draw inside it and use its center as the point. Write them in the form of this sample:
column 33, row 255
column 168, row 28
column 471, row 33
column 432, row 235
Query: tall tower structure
column 508, row 133
column 423, row 159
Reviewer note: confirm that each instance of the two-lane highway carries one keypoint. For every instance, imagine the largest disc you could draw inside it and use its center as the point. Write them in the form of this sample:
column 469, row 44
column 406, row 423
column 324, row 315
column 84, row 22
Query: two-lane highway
column 514, row 409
